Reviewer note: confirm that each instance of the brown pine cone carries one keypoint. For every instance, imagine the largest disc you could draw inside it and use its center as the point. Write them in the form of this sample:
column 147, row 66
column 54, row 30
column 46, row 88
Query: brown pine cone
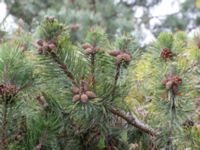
column 119, row 59
column 115, row 53
column 40, row 42
column 86, row 45
column 88, row 51
column 90, row 94
column 75, row 90
column 84, row 98
column 166, row 53
column 126, row 57
column 52, row 46
column 76, row 98
column 45, row 45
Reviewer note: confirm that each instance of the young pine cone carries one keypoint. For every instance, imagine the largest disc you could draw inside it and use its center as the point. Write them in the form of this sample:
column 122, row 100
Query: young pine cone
column 84, row 98
column 76, row 98
column 119, row 59
column 86, row 45
column 115, row 53
column 123, row 57
column 172, row 82
column 126, row 57
column 90, row 94
column 52, row 46
column 40, row 42
column 166, row 54
column 88, row 51
column 75, row 90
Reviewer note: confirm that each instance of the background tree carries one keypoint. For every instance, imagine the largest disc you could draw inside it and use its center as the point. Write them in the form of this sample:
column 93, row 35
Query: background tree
column 186, row 19
column 115, row 16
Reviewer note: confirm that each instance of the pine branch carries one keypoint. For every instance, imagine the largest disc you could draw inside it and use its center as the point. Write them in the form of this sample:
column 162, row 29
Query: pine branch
column 172, row 98
column 133, row 121
column 93, row 70
column 116, row 79
column 63, row 67
column 3, row 127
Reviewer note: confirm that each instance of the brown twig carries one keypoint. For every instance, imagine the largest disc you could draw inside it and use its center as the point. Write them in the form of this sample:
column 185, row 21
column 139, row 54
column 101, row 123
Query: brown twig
column 64, row 68
column 3, row 127
column 93, row 70
column 171, row 97
column 116, row 79
column 133, row 121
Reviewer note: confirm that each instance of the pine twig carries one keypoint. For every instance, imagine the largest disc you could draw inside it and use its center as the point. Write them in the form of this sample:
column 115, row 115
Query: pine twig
column 4, row 126
column 116, row 79
column 172, row 97
column 133, row 121
column 64, row 68
column 93, row 70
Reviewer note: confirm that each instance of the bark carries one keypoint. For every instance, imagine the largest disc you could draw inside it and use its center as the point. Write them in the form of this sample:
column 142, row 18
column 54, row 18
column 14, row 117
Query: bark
column 133, row 121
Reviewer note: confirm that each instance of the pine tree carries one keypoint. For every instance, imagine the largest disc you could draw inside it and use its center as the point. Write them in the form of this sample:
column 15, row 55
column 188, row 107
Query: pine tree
column 97, row 93
column 76, row 93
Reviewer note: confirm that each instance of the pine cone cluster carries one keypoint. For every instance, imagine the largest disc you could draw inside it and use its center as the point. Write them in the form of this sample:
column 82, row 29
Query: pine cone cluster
column 121, row 56
column 172, row 82
column 46, row 47
column 82, row 93
column 7, row 91
column 89, row 49
column 166, row 54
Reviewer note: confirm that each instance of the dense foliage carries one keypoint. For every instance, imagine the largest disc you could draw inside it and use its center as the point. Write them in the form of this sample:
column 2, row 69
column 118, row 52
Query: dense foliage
column 99, row 94
column 80, row 80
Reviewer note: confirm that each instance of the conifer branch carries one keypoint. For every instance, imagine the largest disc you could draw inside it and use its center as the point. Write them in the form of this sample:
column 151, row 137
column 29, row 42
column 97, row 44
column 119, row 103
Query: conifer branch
column 63, row 67
column 133, row 121
column 169, row 144
column 93, row 70
column 116, row 78
column 3, row 127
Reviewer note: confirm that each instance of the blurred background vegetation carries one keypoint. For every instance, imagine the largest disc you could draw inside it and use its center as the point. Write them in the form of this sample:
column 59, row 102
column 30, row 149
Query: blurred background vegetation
column 116, row 16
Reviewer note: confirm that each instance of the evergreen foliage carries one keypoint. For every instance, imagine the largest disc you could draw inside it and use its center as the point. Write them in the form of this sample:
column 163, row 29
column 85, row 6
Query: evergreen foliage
column 94, row 88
